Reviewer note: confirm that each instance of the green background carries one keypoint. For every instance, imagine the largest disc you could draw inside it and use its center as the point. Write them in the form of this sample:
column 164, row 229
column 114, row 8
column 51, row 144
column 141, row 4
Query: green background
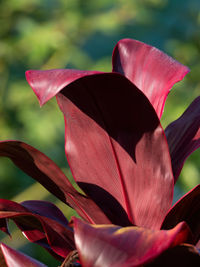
column 48, row 34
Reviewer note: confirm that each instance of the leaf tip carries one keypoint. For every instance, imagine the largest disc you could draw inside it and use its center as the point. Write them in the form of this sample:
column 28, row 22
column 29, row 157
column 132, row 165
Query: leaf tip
column 30, row 77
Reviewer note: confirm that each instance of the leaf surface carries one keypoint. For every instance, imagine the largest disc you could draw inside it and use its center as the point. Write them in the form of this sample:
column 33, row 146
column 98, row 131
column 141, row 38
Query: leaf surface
column 151, row 70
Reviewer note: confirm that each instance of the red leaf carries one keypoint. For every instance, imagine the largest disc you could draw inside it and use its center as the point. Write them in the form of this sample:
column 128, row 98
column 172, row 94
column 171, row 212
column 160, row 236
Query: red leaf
column 12, row 258
column 183, row 136
column 186, row 209
column 47, row 173
column 149, row 69
column 110, row 245
column 45, row 231
column 115, row 145
column 117, row 149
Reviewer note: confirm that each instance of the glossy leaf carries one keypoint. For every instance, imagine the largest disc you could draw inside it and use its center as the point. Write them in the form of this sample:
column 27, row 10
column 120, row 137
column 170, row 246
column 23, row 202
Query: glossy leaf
column 12, row 258
column 149, row 69
column 46, row 172
column 186, row 209
column 183, row 136
column 110, row 245
column 43, row 230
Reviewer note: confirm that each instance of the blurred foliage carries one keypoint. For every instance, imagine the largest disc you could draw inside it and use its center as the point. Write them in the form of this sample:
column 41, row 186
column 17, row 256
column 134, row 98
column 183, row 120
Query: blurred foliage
column 81, row 34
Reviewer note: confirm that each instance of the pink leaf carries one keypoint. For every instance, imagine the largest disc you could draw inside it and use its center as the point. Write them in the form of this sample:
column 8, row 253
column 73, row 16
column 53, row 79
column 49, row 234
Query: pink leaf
column 110, row 245
column 117, row 149
column 149, row 69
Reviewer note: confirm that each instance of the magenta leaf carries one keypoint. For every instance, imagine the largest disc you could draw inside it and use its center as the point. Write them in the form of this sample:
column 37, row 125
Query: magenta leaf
column 183, row 136
column 121, row 137
column 46, row 172
column 51, row 233
column 184, row 255
column 12, row 258
column 149, row 69
column 110, row 245
column 186, row 209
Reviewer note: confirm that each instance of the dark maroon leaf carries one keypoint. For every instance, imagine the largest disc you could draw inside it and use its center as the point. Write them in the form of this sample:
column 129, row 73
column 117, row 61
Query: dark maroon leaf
column 47, row 209
column 149, row 69
column 46, row 172
column 12, row 258
column 183, row 255
column 110, row 245
column 186, row 209
column 183, row 136
column 45, row 231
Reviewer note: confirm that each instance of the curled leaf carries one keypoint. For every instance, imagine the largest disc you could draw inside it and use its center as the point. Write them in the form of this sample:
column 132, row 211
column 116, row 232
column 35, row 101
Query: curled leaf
column 151, row 70
column 110, row 245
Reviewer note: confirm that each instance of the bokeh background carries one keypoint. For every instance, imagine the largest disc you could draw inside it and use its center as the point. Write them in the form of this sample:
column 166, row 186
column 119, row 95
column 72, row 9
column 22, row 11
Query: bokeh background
column 44, row 34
